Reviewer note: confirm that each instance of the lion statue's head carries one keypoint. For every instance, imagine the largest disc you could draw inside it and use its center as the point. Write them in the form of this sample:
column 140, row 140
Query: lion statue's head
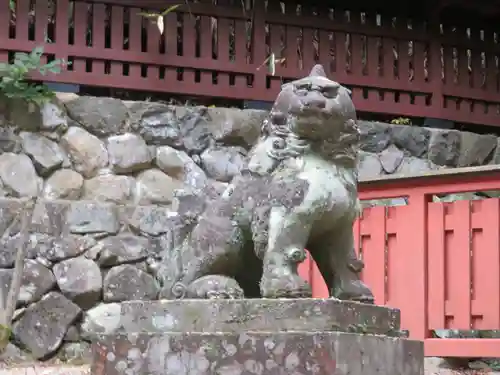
column 312, row 114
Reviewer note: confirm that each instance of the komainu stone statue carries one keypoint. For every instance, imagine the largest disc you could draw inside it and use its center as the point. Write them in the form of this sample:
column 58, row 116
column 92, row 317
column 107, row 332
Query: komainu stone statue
column 299, row 191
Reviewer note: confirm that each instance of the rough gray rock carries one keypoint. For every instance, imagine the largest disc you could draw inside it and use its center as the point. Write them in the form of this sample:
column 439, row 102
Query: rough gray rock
column 223, row 163
column 53, row 117
column 476, row 149
column 128, row 283
column 413, row 139
column 444, row 147
column 179, row 165
column 369, row 166
column 42, row 326
column 375, row 136
column 18, row 175
column 80, row 280
column 9, row 140
column 155, row 187
column 100, row 116
column 55, row 249
column 46, row 155
column 194, row 129
column 91, row 217
column 75, row 353
column 123, row 248
column 37, row 280
column 159, row 125
column 390, row 159
column 63, row 184
column 109, row 188
column 87, row 152
column 128, row 153
column 235, row 127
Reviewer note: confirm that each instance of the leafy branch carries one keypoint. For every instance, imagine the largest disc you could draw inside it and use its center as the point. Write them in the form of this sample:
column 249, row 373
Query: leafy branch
column 14, row 76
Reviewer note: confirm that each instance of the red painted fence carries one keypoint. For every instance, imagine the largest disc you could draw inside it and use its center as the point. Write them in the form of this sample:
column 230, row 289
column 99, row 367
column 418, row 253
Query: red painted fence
column 394, row 64
column 437, row 262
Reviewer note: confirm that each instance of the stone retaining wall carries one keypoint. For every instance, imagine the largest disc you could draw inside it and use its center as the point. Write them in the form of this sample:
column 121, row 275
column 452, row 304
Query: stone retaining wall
column 140, row 152
column 122, row 183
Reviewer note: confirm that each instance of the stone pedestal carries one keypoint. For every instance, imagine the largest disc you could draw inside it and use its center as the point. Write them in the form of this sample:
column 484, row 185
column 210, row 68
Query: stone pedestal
column 262, row 337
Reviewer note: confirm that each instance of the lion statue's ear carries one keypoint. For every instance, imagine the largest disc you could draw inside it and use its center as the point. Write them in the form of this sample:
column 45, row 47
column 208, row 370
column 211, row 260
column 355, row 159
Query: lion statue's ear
column 318, row 71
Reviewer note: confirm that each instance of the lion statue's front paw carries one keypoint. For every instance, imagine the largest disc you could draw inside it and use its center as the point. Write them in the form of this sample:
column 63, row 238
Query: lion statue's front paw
column 286, row 286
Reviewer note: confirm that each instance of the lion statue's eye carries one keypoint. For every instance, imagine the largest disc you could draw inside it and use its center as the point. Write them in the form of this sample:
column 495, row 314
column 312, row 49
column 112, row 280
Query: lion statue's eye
column 330, row 92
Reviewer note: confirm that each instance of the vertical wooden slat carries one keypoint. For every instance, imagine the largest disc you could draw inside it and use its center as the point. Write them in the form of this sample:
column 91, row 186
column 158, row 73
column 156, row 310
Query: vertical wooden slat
column 324, row 51
column 4, row 29
column 373, row 247
column 153, row 48
column 223, row 50
column 259, row 45
column 80, row 20
column 486, row 267
column 41, row 18
column 134, row 36
column 418, row 63
column 459, row 266
column 307, row 49
column 356, row 47
column 275, row 46
column 292, row 60
column 476, row 63
column 22, row 19
column 98, row 35
column 240, row 51
column 170, row 37
column 61, row 31
column 205, row 47
column 436, row 266
column 189, row 44
column 116, row 37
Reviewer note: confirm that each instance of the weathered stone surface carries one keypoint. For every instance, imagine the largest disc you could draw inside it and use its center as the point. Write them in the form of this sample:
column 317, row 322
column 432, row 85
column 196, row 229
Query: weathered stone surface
column 413, row 139
column 123, row 248
column 375, row 136
column 444, row 147
column 369, row 166
column 75, row 353
column 9, row 140
column 412, row 166
column 53, row 117
column 159, row 125
column 155, row 187
column 391, row 158
column 476, row 149
column 63, row 184
column 36, row 281
column 195, row 132
column 42, row 326
column 80, row 280
column 223, row 163
column 151, row 220
column 46, row 155
column 87, row 152
column 128, row 283
column 240, row 315
column 55, row 249
column 92, row 217
column 18, row 175
column 233, row 126
column 179, row 165
column 256, row 353
column 109, row 188
column 128, row 153
column 100, row 116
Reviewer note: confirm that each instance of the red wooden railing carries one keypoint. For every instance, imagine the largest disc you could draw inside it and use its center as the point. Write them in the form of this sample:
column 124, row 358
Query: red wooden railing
column 394, row 65
column 437, row 262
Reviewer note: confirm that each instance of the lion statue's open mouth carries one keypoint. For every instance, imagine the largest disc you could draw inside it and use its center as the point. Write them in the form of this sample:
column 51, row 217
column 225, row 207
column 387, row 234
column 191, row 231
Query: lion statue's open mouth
column 298, row 191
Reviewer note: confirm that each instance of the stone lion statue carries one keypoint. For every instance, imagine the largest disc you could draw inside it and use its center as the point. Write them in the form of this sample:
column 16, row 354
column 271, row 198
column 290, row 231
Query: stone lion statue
column 299, row 190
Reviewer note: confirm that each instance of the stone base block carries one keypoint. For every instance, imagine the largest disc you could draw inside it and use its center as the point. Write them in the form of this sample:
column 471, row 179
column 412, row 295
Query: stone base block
column 270, row 315
column 256, row 353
